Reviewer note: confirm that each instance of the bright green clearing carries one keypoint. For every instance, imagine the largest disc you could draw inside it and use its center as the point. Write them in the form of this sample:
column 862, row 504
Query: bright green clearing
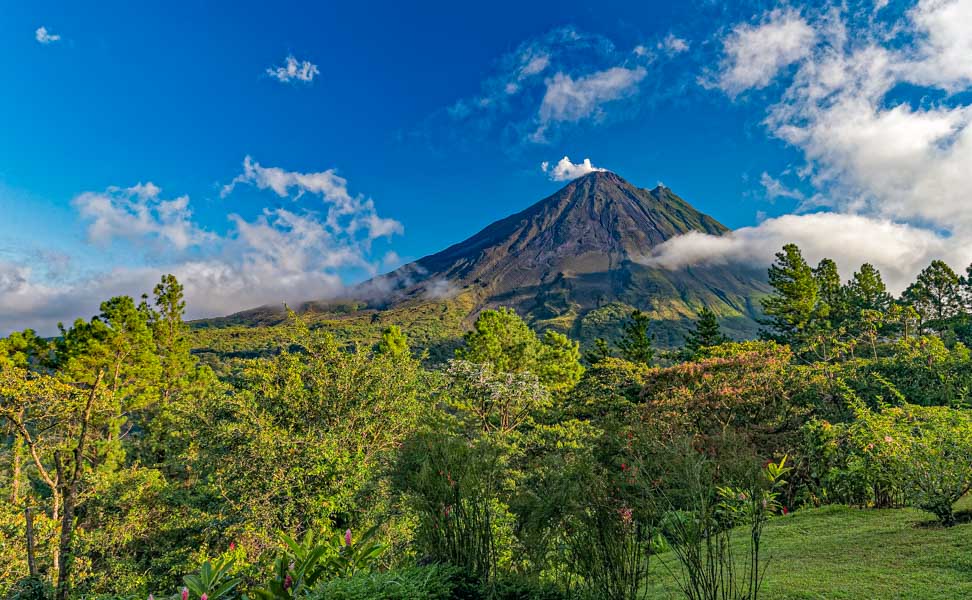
column 838, row 552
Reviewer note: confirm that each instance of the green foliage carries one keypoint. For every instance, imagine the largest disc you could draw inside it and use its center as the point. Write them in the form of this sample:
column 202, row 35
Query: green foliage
column 791, row 308
column 213, row 580
column 308, row 432
column 929, row 449
column 456, row 488
column 393, row 341
column 706, row 334
column 433, row 582
column 936, row 294
column 301, row 565
column 635, row 343
column 503, row 340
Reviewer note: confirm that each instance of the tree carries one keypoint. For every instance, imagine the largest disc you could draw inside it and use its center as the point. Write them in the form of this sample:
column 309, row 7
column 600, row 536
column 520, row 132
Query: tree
column 936, row 293
column 866, row 290
column 306, row 433
column 599, row 352
column 707, row 333
column 171, row 336
column 503, row 340
column 55, row 421
column 393, row 341
column 118, row 344
column 832, row 296
column 635, row 341
column 559, row 366
column 793, row 305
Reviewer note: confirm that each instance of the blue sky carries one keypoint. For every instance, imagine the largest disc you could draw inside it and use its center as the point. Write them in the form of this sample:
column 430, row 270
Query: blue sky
column 400, row 129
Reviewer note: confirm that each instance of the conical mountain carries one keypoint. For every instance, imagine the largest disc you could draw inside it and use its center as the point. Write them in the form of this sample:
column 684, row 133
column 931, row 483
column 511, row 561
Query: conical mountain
column 578, row 261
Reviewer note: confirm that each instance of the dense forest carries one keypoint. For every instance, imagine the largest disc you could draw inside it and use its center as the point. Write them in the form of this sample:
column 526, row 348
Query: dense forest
column 523, row 466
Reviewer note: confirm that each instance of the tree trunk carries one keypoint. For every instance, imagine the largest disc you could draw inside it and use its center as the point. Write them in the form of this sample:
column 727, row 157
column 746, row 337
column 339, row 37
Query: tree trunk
column 17, row 467
column 29, row 521
column 69, row 495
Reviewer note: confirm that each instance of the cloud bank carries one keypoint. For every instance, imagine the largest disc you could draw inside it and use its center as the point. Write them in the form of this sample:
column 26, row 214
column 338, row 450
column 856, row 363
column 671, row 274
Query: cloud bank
column 892, row 175
column 282, row 255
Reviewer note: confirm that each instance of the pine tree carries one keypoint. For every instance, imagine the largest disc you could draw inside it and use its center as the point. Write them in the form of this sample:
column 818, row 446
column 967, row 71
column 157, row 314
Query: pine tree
column 793, row 305
column 707, row 333
column 635, row 342
column 832, row 296
column 935, row 294
column 866, row 290
column 599, row 352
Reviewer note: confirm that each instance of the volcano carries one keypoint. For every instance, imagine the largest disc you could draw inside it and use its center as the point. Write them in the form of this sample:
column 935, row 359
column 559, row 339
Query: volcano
column 580, row 261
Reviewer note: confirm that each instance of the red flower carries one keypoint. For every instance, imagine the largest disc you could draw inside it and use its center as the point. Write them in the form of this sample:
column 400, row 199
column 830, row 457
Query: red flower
column 785, row 511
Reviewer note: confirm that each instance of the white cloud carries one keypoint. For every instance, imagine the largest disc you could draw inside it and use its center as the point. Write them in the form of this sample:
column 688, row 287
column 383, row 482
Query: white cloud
column 943, row 58
column 898, row 250
column 570, row 100
column 344, row 210
column 775, row 188
column 43, row 36
column 893, row 176
column 294, row 70
column 139, row 212
column 672, row 45
column 565, row 170
column 754, row 54
column 279, row 256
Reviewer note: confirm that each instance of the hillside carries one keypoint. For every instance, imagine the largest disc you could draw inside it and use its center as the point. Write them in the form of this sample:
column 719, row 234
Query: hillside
column 577, row 261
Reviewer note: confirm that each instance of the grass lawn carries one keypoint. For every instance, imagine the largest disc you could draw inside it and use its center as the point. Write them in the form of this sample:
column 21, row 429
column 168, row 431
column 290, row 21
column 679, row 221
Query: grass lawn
column 839, row 552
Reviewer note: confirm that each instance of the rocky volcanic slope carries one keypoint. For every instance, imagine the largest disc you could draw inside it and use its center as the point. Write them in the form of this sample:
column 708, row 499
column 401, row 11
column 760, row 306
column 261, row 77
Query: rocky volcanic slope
column 579, row 261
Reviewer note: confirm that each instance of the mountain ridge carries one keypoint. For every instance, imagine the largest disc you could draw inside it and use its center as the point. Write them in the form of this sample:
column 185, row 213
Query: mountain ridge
column 577, row 260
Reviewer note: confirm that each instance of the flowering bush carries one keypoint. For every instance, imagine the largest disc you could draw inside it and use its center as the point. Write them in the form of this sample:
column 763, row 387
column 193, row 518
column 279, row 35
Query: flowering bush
column 929, row 449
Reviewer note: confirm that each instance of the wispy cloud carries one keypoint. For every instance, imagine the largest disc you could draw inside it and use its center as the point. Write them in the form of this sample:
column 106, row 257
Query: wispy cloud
column 565, row 170
column 551, row 84
column 139, row 212
column 892, row 176
column 344, row 211
column 294, row 71
column 571, row 100
column 755, row 54
column 43, row 36
column 280, row 255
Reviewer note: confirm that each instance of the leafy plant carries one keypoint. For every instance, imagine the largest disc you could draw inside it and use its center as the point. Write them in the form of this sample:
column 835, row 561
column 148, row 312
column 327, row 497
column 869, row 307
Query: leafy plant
column 213, row 581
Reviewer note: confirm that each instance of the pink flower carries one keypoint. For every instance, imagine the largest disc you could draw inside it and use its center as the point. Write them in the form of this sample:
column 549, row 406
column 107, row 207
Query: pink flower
column 347, row 537
column 185, row 593
column 625, row 515
column 205, row 596
column 888, row 439
column 288, row 581
column 232, row 546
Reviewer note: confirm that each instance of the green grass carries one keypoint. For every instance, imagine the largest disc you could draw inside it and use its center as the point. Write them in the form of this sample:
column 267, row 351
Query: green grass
column 839, row 553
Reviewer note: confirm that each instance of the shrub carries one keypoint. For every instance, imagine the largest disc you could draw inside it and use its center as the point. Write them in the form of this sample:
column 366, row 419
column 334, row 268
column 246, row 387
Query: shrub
column 930, row 450
column 432, row 582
